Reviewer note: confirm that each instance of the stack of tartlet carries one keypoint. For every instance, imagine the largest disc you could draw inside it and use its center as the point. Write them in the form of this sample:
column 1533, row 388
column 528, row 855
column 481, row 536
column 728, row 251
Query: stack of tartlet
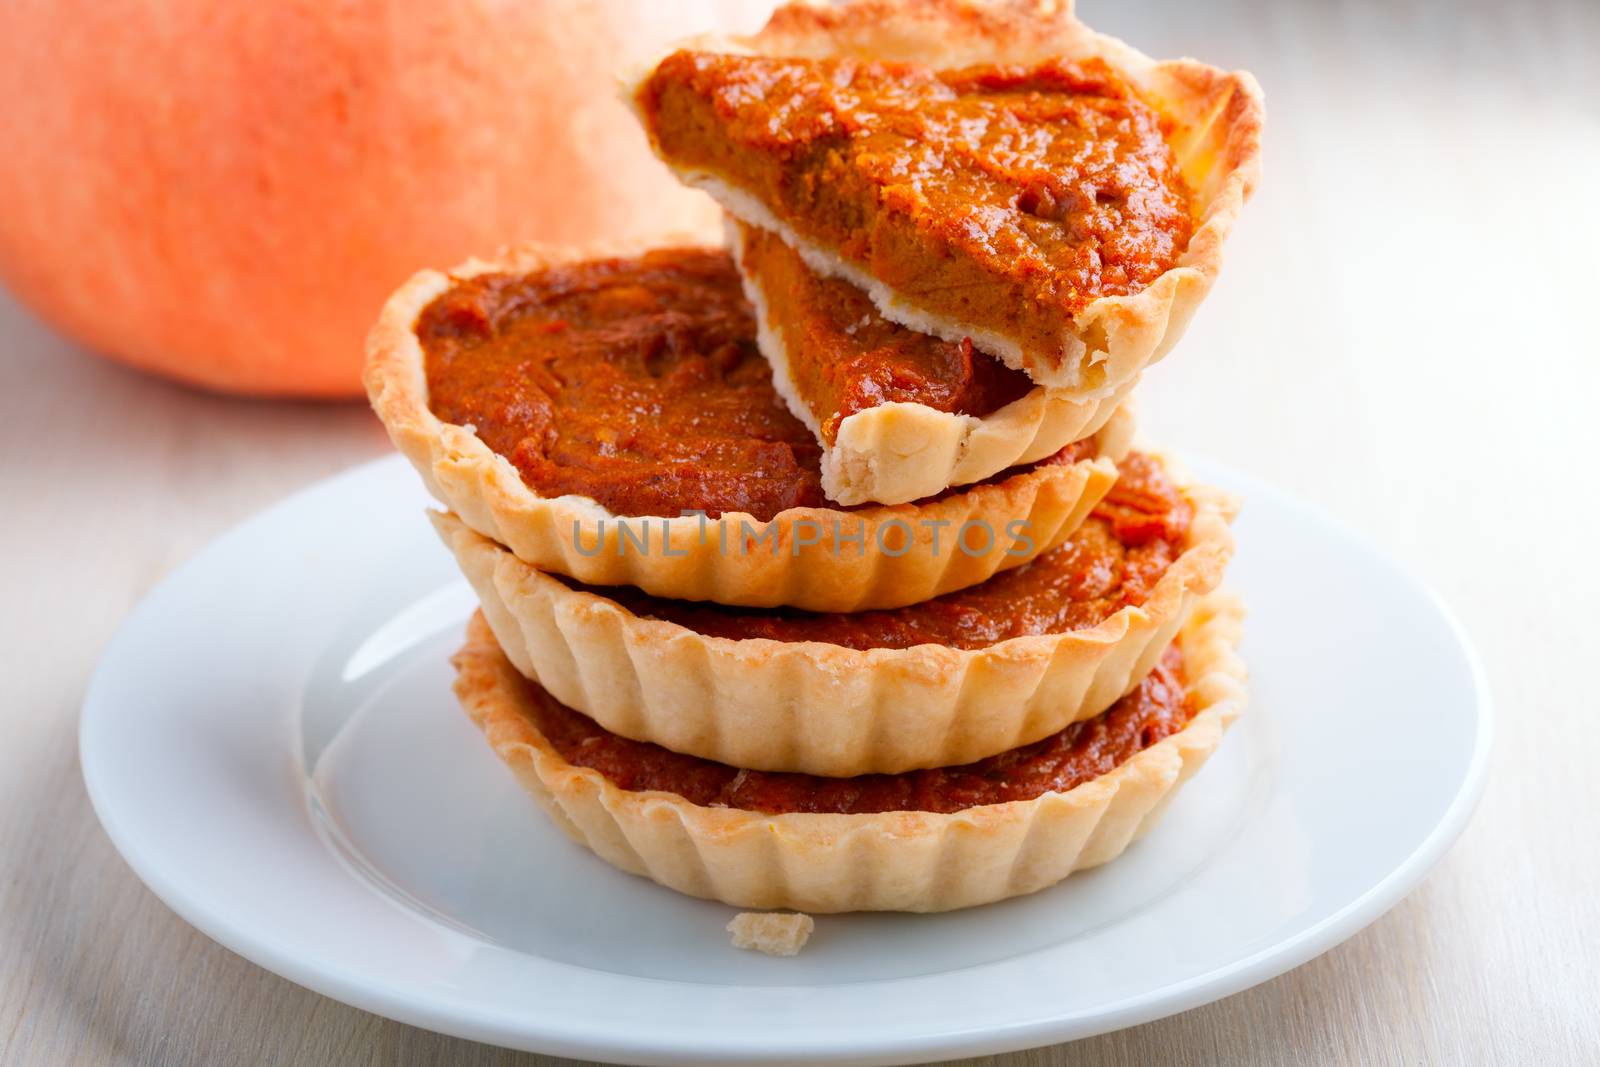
column 822, row 571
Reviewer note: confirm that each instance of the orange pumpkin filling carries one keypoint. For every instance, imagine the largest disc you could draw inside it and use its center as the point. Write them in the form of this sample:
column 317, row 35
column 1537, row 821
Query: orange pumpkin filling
column 1157, row 708
column 1006, row 197
column 634, row 382
column 844, row 357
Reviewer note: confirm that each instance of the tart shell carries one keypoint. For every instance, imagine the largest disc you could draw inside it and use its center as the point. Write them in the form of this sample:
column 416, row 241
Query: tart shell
column 1217, row 119
column 807, row 558
column 897, row 451
column 823, row 708
column 895, row 861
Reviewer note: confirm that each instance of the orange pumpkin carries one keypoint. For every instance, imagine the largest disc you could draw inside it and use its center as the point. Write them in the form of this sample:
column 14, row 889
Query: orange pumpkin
column 225, row 192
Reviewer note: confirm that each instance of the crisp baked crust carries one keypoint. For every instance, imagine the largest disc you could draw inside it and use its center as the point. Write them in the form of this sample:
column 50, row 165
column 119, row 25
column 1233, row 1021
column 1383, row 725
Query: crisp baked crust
column 793, row 560
column 823, row 708
column 1216, row 115
column 771, row 933
column 894, row 861
column 898, row 451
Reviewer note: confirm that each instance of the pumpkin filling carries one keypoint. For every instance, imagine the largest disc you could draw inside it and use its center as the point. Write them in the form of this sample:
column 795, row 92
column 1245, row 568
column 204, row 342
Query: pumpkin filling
column 634, row 382
column 1159, row 707
column 844, row 357
column 1007, row 197
column 1113, row 561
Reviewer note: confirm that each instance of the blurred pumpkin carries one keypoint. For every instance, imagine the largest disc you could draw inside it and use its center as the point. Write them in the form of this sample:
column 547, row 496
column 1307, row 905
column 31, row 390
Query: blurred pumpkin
column 226, row 192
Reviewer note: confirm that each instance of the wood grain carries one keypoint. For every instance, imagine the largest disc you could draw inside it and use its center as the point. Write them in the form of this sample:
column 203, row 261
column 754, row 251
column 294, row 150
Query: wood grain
column 1404, row 335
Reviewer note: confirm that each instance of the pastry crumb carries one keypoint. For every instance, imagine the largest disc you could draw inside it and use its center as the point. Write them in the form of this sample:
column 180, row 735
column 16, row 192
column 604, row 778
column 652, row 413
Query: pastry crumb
column 774, row 933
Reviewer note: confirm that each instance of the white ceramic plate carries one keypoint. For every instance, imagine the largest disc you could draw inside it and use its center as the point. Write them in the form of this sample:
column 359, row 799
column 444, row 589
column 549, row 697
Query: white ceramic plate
column 272, row 744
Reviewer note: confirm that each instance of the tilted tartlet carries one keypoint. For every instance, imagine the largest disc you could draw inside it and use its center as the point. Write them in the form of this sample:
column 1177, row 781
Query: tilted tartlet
column 993, row 171
column 899, row 415
column 572, row 406
column 950, row 680
column 929, row 840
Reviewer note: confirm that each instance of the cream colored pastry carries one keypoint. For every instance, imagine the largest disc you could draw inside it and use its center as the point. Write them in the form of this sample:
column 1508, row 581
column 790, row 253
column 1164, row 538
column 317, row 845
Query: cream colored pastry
column 826, row 708
column 771, row 933
column 817, row 558
column 888, row 861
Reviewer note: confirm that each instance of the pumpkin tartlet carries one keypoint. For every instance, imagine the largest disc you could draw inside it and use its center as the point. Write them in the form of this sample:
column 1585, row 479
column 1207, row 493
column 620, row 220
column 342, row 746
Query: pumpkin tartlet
column 572, row 406
column 950, row 680
column 930, row 840
column 992, row 171
column 899, row 415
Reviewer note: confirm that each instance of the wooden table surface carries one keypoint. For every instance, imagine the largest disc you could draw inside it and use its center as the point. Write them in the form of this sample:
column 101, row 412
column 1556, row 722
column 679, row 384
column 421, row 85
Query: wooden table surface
column 1404, row 336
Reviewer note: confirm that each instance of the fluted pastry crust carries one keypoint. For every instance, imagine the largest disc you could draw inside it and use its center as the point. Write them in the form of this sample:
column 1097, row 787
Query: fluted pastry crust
column 893, row 861
column 824, row 708
column 795, row 560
